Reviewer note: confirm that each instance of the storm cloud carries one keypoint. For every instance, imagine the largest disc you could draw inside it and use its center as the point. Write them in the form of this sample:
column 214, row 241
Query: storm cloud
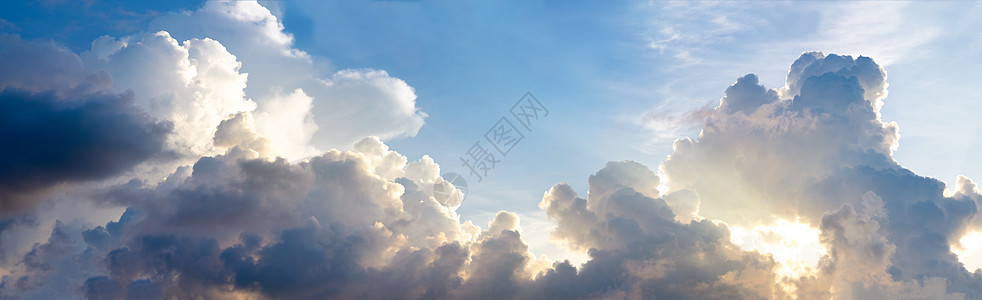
column 50, row 141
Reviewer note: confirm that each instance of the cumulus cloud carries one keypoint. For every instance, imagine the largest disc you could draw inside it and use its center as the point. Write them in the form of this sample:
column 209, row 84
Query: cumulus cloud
column 639, row 250
column 194, row 84
column 365, row 223
column 759, row 149
column 816, row 151
column 250, row 199
column 358, row 223
column 196, row 69
column 345, row 105
column 334, row 226
column 142, row 108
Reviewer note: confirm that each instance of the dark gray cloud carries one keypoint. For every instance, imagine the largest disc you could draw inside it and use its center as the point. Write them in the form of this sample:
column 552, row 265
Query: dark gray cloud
column 637, row 248
column 40, row 66
column 308, row 243
column 746, row 96
column 336, row 226
column 60, row 124
column 50, row 141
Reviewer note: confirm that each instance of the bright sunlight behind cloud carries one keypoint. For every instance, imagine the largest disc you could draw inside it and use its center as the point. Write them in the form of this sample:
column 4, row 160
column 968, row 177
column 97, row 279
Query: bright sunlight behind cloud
column 206, row 157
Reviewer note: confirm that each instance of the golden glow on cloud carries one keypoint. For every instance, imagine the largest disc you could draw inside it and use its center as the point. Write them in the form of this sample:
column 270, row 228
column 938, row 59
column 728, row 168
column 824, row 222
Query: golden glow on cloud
column 969, row 250
column 794, row 245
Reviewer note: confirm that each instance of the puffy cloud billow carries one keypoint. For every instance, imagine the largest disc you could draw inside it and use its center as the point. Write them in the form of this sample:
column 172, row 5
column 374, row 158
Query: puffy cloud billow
column 816, row 152
column 209, row 139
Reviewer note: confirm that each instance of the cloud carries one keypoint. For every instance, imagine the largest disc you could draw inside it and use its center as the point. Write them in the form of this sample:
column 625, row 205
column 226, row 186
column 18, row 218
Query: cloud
column 692, row 33
column 251, row 199
column 667, row 124
column 141, row 108
column 51, row 141
column 364, row 222
column 757, row 151
column 883, row 31
column 290, row 118
column 346, row 105
column 196, row 69
column 637, row 248
column 346, row 220
column 190, row 86
column 195, row 84
column 353, row 223
column 63, row 125
column 39, row 66
column 701, row 45
column 815, row 151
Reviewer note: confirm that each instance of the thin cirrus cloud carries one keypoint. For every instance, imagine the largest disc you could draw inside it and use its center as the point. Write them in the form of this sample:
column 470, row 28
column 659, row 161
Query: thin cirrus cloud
column 708, row 38
column 694, row 32
column 247, row 198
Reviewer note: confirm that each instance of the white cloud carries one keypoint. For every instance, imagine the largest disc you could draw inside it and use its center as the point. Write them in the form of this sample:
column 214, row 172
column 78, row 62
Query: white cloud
column 194, row 84
column 357, row 103
column 347, row 104
column 287, row 122
column 233, row 57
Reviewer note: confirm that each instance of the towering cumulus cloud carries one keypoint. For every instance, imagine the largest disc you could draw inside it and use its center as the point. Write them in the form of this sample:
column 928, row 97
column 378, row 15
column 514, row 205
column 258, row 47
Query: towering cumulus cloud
column 817, row 152
column 364, row 223
column 211, row 144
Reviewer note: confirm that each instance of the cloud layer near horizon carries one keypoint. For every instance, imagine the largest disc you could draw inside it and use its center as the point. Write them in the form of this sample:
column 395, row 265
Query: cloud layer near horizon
column 189, row 138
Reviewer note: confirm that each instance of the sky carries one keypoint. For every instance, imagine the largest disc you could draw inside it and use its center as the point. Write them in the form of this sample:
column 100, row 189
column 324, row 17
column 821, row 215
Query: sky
column 294, row 149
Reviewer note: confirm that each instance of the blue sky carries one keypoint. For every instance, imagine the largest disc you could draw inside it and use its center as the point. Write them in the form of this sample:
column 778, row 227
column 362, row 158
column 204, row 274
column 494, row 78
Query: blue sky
column 621, row 81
